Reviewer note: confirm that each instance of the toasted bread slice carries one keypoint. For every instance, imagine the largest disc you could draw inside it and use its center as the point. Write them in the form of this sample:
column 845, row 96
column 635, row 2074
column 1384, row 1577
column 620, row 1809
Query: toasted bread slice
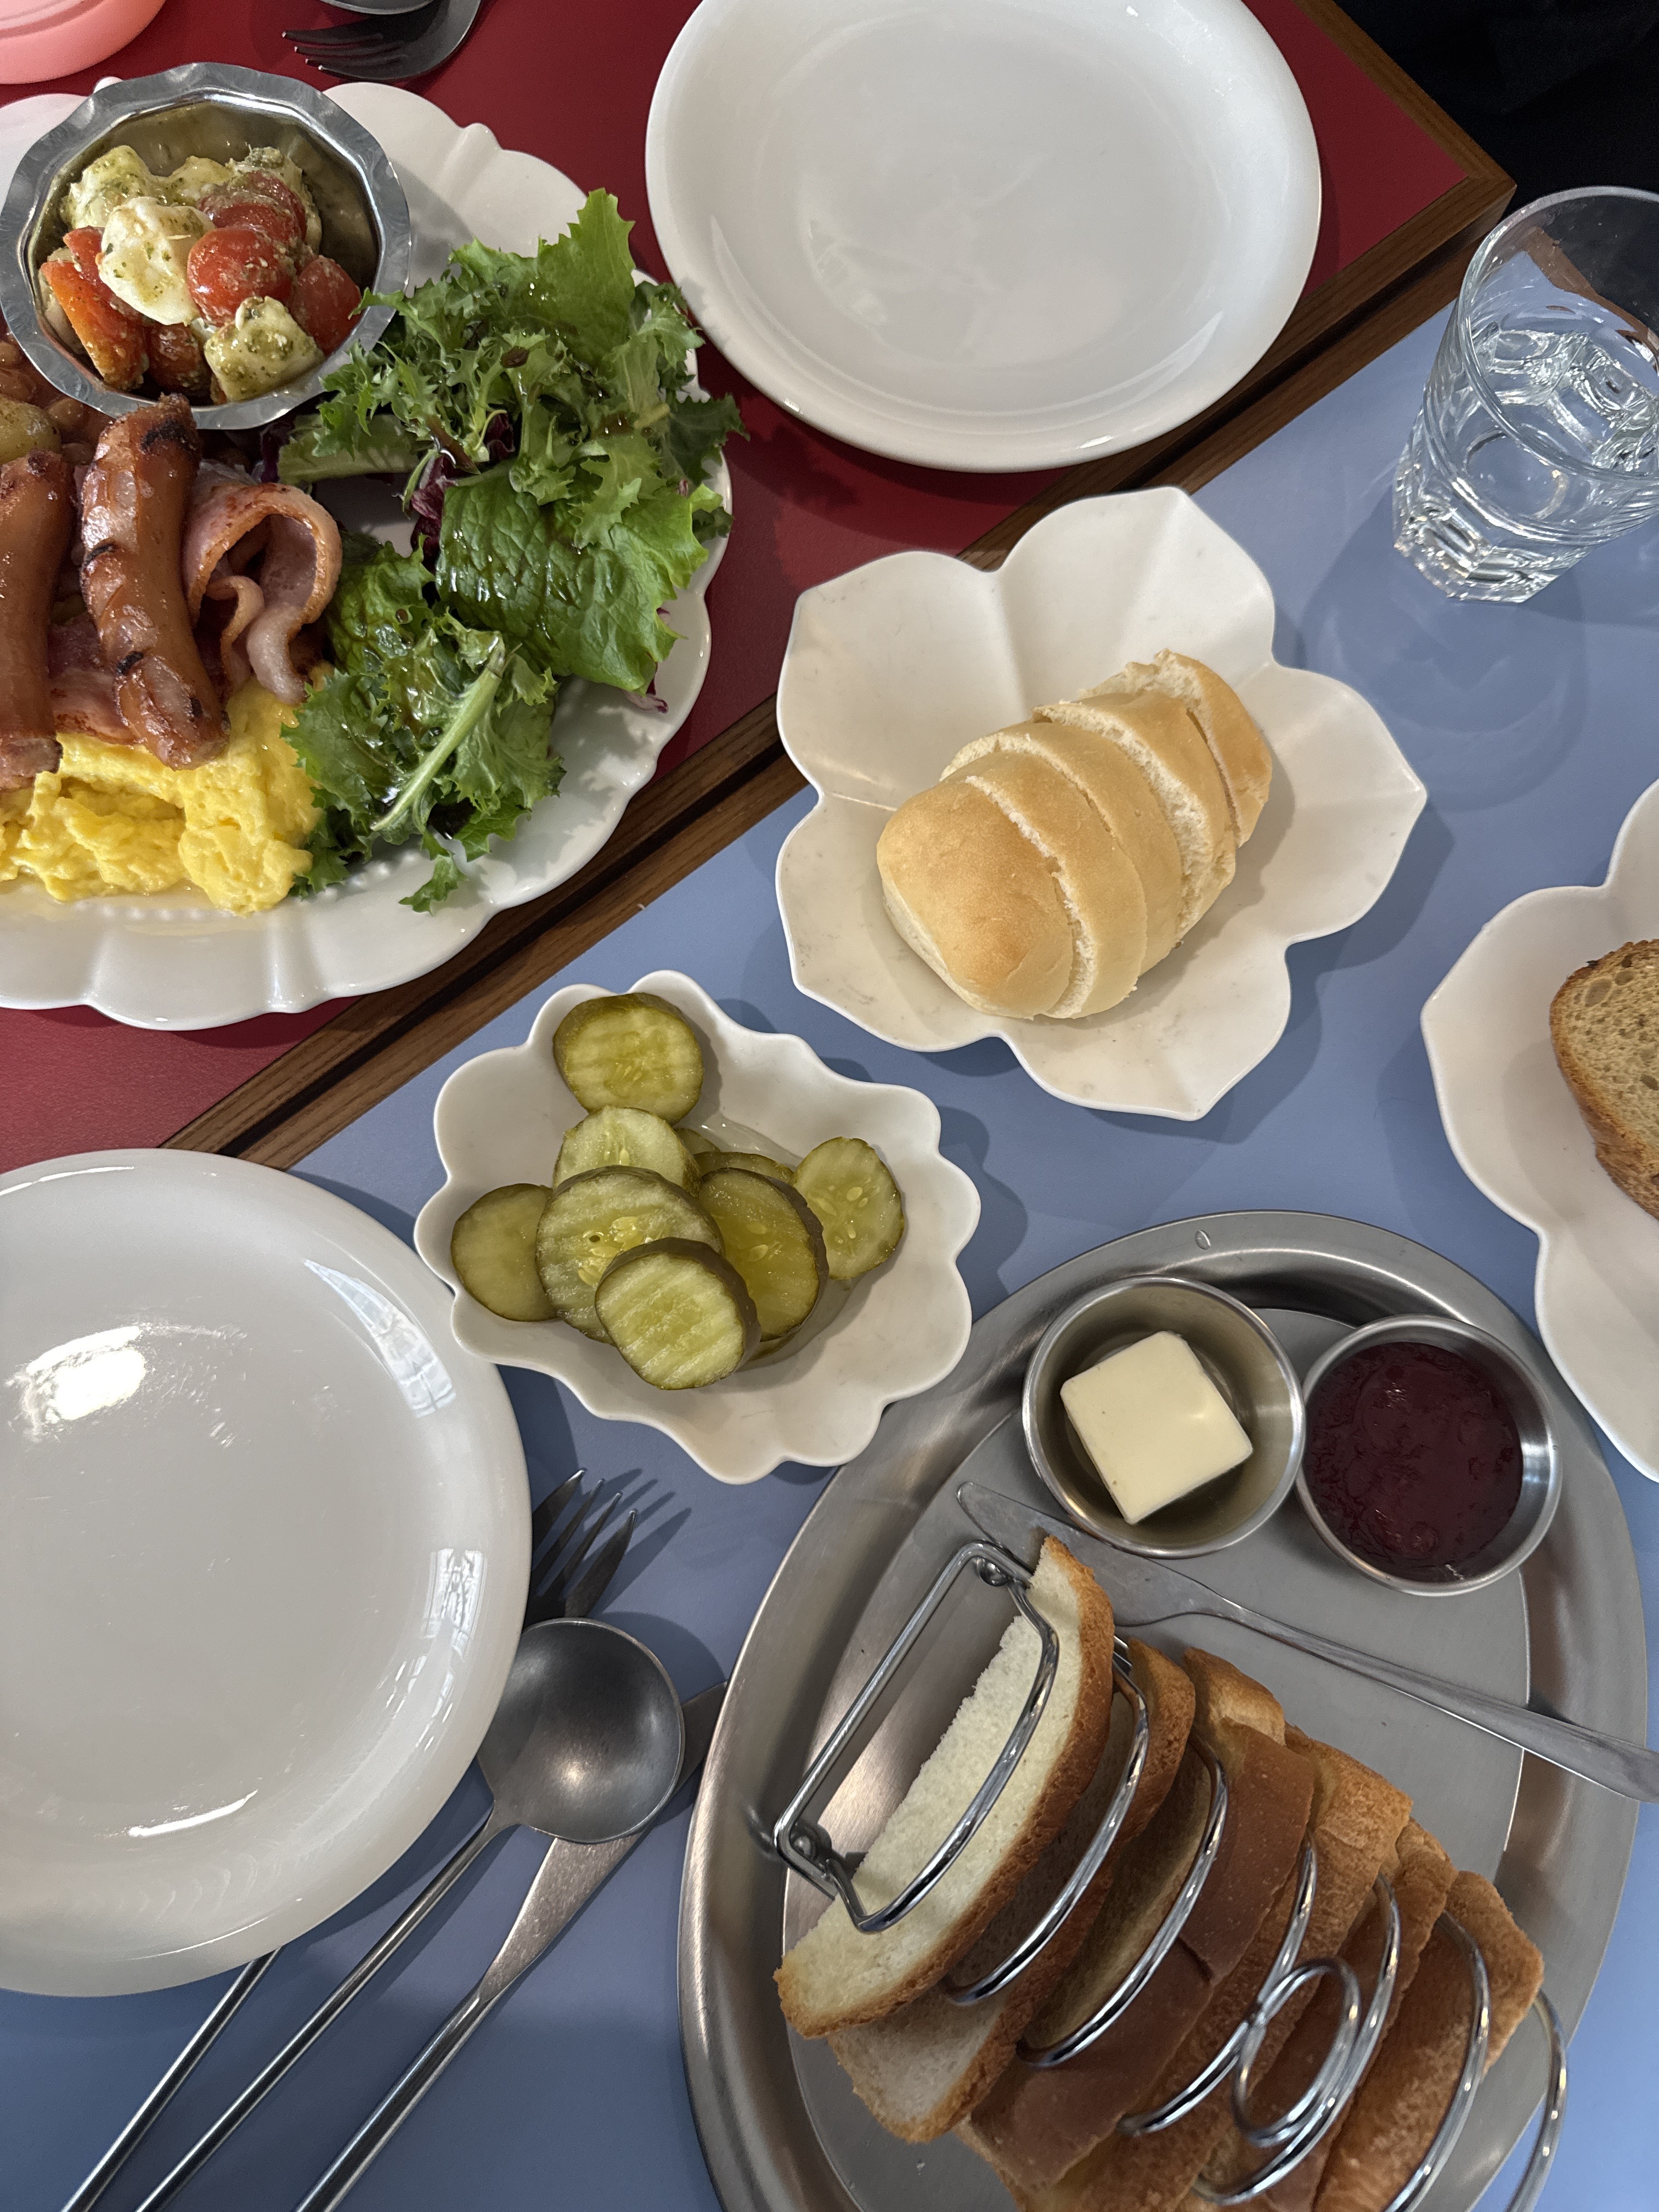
column 1120, row 795
column 926, row 2066
column 1604, row 1024
column 1236, row 746
column 834, row 1977
column 1164, row 742
column 1403, row 2099
column 1037, row 2123
column 1356, row 1820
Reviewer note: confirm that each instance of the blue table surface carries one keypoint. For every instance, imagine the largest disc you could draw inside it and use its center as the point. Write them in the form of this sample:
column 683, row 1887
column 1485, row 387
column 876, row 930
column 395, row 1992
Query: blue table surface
column 1532, row 728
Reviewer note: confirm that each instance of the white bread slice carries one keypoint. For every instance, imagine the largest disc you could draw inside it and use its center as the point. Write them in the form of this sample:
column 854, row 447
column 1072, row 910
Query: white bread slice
column 976, row 901
column 1356, row 1820
column 834, row 1977
column 1120, row 795
column 1036, row 2125
column 1604, row 1025
column 1235, row 744
column 1164, row 742
column 1402, row 2099
column 927, row 2065
column 1098, row 883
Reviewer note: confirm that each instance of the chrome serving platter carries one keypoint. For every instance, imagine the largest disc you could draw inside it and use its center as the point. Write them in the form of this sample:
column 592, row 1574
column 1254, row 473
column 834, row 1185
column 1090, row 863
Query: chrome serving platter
column 780, row 2125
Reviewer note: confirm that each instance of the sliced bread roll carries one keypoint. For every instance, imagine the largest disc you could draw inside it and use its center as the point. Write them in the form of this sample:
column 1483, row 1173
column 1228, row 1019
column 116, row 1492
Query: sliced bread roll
column 971, row 894
column 835, row 1977
column 1403, row 2099
column 926, row 2066
column 1164, row 742
column 1037, row 2125
column 1604, row 1025
column 1235, row 744
column 1121, row 796
column 1098, row 883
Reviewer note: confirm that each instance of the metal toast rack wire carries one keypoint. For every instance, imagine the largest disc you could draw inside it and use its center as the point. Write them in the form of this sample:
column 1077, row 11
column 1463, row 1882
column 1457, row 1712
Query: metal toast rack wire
column 1281, row 2141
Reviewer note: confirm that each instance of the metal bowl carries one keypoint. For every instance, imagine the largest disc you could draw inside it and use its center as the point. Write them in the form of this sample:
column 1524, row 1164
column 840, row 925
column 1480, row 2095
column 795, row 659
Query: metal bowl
column 1243, row 1359
column 212, row 109
column 1540, row 1458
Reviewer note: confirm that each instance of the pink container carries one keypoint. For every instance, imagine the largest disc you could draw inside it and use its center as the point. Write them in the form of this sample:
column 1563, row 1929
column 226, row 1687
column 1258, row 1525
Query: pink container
column 41, row 38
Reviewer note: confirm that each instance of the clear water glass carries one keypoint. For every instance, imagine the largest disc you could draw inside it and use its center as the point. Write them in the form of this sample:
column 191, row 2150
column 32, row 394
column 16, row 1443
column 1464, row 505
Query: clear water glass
column 1539, row 434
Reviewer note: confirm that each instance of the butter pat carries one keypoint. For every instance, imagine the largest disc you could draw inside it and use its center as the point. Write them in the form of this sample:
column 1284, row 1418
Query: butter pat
column 1154, row 1423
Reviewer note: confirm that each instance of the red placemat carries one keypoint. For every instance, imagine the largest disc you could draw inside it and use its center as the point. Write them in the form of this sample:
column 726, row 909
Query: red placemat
column 571, row 81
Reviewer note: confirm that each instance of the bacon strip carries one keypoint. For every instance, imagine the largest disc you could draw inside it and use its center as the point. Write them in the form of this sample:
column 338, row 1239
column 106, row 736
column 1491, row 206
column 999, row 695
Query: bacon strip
column 83, row 690
column 296, row 577
column 37, row 520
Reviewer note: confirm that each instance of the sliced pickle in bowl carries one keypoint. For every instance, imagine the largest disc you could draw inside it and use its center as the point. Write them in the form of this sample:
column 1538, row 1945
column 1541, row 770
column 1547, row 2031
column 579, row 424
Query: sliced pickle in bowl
column 678, row 1313
column 634, row 1050
column 594, row 1218
column 492, row 1248
column 773, row 1239
column 625, row 1137
column 761, row 1164
column 848, row 1186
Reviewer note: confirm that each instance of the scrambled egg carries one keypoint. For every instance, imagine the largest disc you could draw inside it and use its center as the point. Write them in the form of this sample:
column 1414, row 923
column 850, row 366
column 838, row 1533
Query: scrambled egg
column 113, row 821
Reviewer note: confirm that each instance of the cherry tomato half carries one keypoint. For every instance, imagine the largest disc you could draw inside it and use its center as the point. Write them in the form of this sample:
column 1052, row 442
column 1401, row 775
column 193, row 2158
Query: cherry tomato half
column 258, row 203
column 176, row 360
column 115, row 339
column 325, row 302
column 84, row 245
column 228, row 267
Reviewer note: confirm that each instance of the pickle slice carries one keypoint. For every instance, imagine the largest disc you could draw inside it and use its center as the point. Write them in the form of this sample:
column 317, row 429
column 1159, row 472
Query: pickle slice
column 492, row 1248
column 772, row 1238
column 698, row 1142
column 592, row 1219
column 632, row 1050
column 624, row 1136
column 857, row 1202
column 756, row 1163
column 678, row 1314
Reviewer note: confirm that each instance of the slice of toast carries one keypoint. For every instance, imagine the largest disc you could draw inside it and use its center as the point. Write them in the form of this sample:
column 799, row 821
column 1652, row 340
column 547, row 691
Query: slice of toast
column 1355, row 1822
column 926, row 2066
column 1604, row 1025
column 1037, row 2123
column 1403, row 2099
column 834, row 1977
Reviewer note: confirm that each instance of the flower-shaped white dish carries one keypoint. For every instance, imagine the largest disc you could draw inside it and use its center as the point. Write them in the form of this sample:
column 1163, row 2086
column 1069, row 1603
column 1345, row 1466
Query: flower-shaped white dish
column 174, row 962
column 898, row 1330
column 1519, row 1137
column 892, row 669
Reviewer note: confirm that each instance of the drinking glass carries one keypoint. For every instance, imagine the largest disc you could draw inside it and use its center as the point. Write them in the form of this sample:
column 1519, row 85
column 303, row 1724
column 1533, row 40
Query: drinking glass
column 1539, row 434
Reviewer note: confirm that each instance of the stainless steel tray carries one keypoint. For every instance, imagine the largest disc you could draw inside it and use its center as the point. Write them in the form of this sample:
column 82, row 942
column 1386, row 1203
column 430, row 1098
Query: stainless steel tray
column 781, row 2129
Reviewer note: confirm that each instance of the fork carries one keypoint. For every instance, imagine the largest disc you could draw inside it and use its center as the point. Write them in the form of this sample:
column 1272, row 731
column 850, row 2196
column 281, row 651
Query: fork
column 387, row 51
column 563, row 1580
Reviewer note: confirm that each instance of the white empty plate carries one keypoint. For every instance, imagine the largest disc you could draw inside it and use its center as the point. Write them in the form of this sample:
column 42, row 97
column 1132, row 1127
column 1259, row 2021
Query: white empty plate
column 265, row 1553
column 999, row 234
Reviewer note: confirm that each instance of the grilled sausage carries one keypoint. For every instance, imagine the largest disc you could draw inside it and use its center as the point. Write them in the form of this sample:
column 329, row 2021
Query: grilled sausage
column 135, row 498
column 37, row 520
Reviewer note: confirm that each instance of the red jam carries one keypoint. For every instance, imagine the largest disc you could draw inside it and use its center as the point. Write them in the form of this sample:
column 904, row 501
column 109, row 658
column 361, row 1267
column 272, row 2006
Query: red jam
column 1412, row 1458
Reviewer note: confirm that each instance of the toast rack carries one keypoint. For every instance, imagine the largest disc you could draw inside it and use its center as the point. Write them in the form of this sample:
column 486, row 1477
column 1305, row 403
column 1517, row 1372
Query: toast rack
column 1283, row 2141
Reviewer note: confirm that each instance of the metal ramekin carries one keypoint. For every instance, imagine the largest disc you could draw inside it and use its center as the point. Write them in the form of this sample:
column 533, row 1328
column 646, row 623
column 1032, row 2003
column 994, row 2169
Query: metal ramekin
column 1541, row 1459
column 208, row 108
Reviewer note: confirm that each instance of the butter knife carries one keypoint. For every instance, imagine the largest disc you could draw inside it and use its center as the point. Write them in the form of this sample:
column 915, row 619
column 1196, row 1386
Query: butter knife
column 1143, row 1590
column 569, row 1874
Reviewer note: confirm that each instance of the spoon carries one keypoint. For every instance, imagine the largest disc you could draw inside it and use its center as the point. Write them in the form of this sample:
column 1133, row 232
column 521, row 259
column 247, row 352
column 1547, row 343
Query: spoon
column 585, row 1745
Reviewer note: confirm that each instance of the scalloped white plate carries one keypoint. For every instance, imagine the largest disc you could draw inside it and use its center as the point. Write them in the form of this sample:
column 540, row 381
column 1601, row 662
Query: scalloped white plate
column 892, row 668
column 899, row 1330
column 1519, row 1137
column 172, row 961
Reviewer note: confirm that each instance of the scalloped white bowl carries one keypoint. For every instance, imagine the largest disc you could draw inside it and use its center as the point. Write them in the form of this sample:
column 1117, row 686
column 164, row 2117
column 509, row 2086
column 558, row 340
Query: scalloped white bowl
column 1519, row 1137
column 899, row 1330
column 172, row 961
column 892, row 669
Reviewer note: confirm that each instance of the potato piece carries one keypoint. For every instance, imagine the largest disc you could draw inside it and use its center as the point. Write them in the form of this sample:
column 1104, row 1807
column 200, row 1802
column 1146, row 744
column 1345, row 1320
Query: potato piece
column 26, row 429
column 678, row 1313
column 632, row 1050
column 592, row 1218
column 492, row 1249
column 848, row 1185
column 772, row 1237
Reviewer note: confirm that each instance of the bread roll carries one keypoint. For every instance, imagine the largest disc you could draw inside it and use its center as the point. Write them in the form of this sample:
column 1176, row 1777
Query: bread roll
column 1235, row 744
column 1125, row 801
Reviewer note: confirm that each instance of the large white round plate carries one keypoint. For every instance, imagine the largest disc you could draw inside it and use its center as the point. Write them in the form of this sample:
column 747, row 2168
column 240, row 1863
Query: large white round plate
column 1519, row 1137
column 817, row 1400
column 892, row 669
column 170, row 961
column 266, row 1547
column 1002, row 234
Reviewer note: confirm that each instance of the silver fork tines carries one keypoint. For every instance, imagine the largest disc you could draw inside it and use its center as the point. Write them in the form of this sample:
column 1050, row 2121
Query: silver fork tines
column 387, row 48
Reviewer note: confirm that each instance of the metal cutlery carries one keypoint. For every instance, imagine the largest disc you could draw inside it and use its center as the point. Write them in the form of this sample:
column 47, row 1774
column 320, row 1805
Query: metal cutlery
column 569, row 1874
column 1144, row 1590
column 408, row 46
